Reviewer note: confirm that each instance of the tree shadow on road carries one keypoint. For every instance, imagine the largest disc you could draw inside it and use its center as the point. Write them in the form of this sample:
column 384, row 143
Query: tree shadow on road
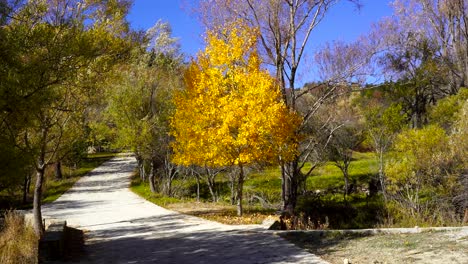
column 174, row 238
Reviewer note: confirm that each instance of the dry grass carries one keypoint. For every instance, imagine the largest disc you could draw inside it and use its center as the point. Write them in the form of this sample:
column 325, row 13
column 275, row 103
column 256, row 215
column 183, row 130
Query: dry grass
column 222, row 213
column 18, row 242
column 426, row 247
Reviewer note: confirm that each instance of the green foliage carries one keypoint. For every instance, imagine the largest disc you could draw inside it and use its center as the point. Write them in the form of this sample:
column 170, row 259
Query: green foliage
column 421, row 152
column 143, row 190
column 330, row 177
column 421, row 174
column 334, row 213
column 13, row 165
column 446, row 111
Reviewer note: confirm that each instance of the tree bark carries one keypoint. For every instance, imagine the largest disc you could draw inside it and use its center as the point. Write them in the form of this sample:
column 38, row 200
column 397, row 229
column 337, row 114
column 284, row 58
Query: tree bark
column 141, row 168
column 152, row 176
column 198, row 186
column 37, row 214
column 58, row 170
column 382, row 176
column 210, row 180
column 240, row 185
column 26, row 186
column 232, row 186
column 346, row 183
column 290, row 176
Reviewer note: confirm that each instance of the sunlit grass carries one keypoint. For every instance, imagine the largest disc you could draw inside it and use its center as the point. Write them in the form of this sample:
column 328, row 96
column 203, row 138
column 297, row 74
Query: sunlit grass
column 266, row 184
column 220, row 212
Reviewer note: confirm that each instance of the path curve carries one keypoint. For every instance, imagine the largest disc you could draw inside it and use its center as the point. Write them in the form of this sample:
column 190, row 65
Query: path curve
column 121, row 227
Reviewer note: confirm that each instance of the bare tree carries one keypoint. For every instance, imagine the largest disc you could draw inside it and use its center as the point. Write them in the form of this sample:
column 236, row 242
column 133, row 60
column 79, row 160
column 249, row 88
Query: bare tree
column 443, row 23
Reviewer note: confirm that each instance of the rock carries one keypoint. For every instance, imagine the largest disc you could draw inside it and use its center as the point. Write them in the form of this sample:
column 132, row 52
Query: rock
column 346, row 261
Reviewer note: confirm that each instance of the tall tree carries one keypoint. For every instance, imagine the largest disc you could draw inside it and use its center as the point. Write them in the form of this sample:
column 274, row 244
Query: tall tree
column 383, row 121
column 443, row 23
column 62, row 50
column 285, row 28
column 140, row 104
column 231, row 113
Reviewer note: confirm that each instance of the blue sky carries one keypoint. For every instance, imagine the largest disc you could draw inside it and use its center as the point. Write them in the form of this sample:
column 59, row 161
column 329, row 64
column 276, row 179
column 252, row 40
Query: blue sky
column 343, row 22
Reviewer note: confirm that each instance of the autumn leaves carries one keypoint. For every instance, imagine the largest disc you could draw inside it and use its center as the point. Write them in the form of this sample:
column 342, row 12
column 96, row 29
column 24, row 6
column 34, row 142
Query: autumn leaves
column 231, row 113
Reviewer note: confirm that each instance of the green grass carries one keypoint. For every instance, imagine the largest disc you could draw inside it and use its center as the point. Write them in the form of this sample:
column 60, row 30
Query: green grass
column 329, row 176
column 143, row 190
column 358, row 212
column 267, row 183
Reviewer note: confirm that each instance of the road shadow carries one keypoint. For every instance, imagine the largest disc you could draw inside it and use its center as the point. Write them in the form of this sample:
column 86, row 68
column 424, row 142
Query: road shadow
column 166, row 242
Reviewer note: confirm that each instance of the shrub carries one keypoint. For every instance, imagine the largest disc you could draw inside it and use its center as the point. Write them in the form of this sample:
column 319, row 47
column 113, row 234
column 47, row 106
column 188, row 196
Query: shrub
column 18, row 242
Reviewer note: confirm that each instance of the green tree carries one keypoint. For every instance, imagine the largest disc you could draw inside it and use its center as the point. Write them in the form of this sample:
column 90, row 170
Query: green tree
column 382, row 126
column 60, row 51
column 141, row 104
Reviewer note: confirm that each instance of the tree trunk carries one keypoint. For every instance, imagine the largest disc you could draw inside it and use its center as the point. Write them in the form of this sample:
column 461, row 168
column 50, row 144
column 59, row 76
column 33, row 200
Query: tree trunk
column 290, row 176
column 26, row 186
column 58, row 170
column 198, row 186
column 38, row 226
column 346, row 183
column 210, row 180
column 141, row 168
column 382, row 176
column 232, row 186
column 152, row 176
column 240, row 185
column 211, row 186
column 170, row 172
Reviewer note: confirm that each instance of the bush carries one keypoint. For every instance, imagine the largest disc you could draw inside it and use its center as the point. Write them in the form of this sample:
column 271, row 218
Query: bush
column 18, row 242
column 321, row 212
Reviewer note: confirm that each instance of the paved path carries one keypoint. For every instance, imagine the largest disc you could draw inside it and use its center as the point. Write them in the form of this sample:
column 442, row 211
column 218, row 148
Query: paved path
column 124, row 228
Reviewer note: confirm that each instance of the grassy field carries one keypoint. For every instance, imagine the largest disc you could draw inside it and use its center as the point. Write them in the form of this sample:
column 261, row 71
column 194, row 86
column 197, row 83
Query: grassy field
column 327, row 209
column 329, row 176
column 221, row 211
column 52, row 188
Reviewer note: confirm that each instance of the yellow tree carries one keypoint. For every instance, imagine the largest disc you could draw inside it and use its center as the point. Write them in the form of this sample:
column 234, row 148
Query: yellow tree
column 231, row 113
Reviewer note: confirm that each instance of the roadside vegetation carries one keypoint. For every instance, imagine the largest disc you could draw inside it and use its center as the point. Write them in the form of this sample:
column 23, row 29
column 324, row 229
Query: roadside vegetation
column 18, row 242
column 13, row 198
column 376, row 137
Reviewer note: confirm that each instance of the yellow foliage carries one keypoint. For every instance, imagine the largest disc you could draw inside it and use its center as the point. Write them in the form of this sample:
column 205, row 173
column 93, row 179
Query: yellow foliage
column 231, row 112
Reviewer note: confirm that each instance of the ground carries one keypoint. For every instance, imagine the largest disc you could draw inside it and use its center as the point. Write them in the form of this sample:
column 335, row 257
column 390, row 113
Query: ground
column 121, row 227
column 427, row 247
